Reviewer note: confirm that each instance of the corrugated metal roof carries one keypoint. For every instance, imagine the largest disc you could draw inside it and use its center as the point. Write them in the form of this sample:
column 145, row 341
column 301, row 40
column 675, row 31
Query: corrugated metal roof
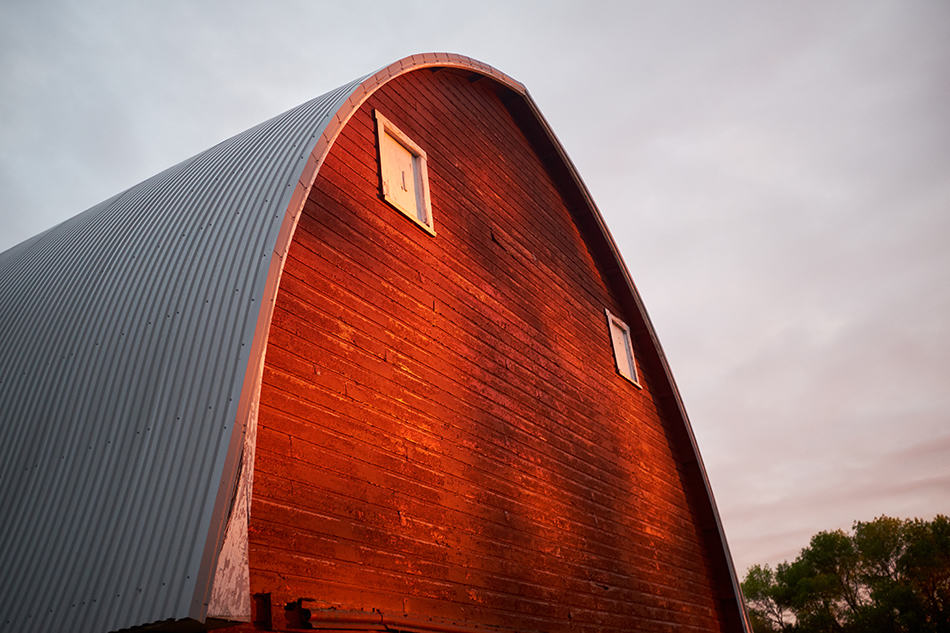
column 125, row 337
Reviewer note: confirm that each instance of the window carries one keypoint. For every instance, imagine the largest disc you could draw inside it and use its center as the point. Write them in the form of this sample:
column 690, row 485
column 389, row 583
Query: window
column 404, row 180
column 623, row 349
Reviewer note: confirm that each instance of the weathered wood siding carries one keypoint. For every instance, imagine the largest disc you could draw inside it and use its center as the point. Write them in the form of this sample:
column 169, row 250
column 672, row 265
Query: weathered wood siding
column 442, row 431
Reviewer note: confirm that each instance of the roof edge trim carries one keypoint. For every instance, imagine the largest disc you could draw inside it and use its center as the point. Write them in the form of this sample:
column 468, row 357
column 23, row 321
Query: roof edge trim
column 252, row 379
column 668, row 373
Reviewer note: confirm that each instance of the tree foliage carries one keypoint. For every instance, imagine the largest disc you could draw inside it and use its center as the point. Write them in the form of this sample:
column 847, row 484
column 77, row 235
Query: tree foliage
column 887, row 576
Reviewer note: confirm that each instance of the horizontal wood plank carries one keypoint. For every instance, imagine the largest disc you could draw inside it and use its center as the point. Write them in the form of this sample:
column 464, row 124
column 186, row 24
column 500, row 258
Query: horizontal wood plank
column 442, row 431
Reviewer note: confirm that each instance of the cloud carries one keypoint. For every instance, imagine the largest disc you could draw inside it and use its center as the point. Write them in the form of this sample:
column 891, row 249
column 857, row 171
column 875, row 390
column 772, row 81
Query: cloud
column 775, row 175
column 778, row 516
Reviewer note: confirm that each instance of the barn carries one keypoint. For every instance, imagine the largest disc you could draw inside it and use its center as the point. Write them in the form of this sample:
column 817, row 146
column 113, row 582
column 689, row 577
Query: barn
column 375, row 364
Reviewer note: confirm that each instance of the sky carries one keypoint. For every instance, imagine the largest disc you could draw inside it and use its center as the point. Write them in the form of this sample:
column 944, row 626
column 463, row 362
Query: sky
column 776, row 175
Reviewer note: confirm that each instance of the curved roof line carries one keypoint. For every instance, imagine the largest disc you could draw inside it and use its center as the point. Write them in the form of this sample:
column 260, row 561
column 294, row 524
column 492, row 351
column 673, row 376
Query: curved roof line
column 360, row 94
column 664, row 363
column 126, row 411
column 127, row 332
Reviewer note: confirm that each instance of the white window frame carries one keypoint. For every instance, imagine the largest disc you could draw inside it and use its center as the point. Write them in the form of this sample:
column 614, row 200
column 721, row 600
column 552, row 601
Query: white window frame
column 621, row 343
column 422, row 213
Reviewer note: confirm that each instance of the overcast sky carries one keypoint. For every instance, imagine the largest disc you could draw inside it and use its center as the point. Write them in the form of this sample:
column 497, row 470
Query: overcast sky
column 776, row 174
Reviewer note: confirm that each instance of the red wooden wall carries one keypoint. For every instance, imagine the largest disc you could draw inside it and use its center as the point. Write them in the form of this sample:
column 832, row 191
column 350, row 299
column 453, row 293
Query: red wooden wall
column 442, row 431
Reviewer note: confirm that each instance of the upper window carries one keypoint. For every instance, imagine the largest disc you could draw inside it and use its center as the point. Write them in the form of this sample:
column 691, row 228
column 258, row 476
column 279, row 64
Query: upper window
column 623, row 348
column 403, row 176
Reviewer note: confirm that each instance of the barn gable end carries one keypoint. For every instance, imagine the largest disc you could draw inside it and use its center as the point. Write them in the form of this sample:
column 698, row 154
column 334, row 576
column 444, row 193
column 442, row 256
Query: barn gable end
column 429, row 430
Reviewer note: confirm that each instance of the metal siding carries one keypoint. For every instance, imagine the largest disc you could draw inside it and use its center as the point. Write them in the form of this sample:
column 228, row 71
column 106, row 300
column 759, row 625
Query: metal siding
column 125, row 338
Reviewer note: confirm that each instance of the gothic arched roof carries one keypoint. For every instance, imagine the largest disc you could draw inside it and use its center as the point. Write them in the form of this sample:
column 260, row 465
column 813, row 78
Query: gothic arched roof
column 132, row 344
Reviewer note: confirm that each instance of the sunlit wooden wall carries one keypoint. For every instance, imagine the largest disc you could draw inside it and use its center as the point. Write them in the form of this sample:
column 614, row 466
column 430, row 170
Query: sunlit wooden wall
column 444, row 439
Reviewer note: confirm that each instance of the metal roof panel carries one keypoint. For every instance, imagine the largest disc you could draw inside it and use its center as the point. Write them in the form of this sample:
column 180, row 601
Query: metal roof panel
column 126, row 334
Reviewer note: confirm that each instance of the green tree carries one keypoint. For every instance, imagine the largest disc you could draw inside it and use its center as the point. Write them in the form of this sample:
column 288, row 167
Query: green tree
column 887, row 576
column 773, row 610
